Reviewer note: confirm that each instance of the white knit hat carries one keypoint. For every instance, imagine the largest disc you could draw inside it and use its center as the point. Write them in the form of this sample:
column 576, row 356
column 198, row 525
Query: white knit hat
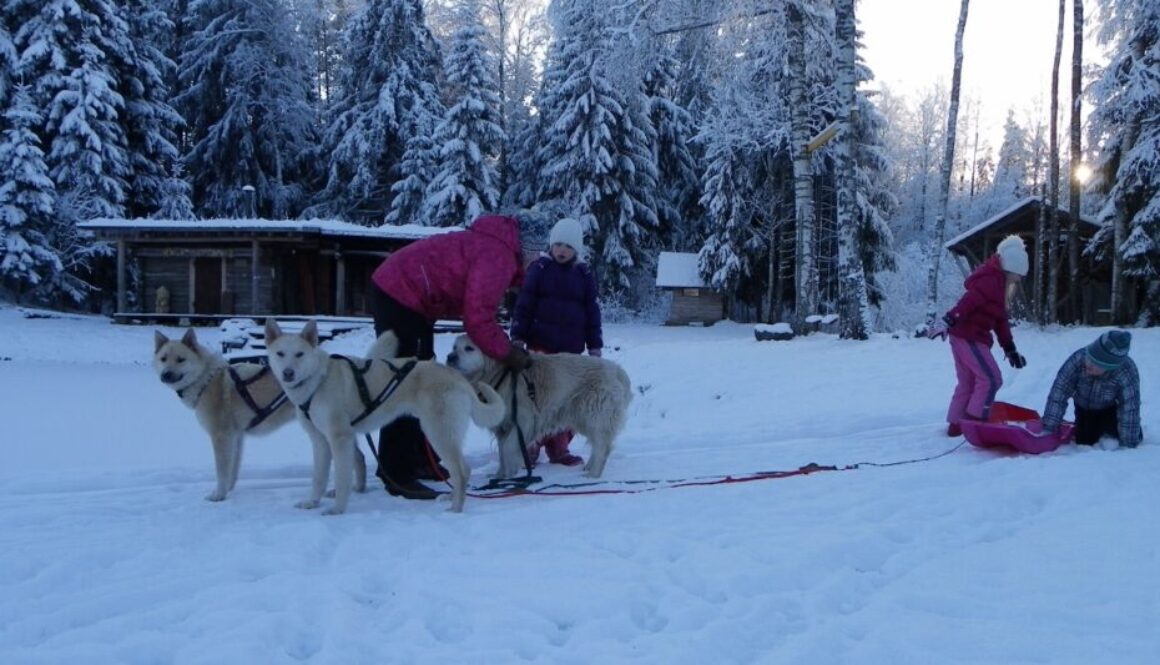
column 1013, row 255
column 567, row 231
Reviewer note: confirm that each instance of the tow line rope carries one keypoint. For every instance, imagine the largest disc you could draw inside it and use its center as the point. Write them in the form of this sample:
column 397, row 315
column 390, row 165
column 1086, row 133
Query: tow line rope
column 516, row 487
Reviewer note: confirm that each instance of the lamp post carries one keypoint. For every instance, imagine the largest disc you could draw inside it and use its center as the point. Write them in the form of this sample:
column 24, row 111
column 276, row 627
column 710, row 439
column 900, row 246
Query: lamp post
column 248, row 195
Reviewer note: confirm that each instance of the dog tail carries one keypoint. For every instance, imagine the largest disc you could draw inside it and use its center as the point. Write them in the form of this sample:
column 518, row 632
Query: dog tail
column 487, row 408
column 385, row 347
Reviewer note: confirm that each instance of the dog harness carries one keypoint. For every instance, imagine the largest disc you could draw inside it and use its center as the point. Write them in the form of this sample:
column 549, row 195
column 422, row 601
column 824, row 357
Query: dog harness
column 364, row 393
column 261, row 413
column 528, row 479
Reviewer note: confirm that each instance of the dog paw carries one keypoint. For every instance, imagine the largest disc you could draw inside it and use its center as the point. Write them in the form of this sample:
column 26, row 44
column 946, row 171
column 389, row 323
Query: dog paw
column 333, row 510
column 308, row 504
column 215, row 496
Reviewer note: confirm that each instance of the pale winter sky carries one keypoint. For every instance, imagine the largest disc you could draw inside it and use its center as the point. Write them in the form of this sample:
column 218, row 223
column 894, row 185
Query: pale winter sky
column 1007, row 51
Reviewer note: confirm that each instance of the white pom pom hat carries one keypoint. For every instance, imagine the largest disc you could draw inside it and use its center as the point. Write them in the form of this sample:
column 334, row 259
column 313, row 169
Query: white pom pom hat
column 567, row 231
column 1013, row 255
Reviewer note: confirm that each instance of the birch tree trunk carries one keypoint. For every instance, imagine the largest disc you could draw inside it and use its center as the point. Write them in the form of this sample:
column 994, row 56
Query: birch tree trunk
column 806, row 270
column 1052, row 309
column 1074, row 185
column 854, row 303
column 940, row 221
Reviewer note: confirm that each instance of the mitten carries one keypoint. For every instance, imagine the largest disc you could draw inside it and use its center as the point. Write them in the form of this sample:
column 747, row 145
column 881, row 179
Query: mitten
column 1036, row 428
column 1016, row 359
column 517, row 358
column 941, row 328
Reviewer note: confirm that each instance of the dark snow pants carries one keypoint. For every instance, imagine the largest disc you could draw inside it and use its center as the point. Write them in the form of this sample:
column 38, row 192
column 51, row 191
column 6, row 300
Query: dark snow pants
column 402, row 446
column 1091, row 424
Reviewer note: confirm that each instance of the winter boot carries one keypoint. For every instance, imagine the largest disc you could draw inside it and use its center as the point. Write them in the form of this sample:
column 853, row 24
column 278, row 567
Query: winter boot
column 411, row 490
column 557, row 446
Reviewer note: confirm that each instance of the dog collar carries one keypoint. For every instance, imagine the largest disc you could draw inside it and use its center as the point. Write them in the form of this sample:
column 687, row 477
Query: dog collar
column 204, row 385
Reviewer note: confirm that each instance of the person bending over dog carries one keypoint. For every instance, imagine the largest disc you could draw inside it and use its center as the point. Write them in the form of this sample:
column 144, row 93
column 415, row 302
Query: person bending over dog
column 1105, row 385
column 458, row 275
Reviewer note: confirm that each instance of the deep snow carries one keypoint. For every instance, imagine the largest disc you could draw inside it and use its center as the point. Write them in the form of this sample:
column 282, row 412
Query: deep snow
column 109, row 554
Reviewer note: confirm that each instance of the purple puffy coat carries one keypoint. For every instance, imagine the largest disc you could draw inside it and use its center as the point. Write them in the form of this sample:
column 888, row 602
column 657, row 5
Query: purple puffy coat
column 557, row 309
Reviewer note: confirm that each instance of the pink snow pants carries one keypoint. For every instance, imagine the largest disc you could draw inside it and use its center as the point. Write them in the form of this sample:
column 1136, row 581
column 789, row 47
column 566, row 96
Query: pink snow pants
column 979, row 379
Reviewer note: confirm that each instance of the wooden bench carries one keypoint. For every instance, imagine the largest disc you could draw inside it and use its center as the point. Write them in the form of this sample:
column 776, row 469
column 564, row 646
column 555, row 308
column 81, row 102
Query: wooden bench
column 244, row 340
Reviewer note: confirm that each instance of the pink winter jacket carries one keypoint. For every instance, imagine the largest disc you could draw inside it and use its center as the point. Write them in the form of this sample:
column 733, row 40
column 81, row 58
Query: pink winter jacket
column 983, row 307
column 462, row 274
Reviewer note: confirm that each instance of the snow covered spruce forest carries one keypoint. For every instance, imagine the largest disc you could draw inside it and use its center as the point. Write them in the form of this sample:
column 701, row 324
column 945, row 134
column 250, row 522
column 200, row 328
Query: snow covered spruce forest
column 748, row 131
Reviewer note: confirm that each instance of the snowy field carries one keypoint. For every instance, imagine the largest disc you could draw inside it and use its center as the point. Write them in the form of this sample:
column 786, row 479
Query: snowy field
column 109, row 554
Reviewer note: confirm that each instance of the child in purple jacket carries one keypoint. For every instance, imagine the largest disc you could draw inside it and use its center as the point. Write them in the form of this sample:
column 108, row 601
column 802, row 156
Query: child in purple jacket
column 557, row 312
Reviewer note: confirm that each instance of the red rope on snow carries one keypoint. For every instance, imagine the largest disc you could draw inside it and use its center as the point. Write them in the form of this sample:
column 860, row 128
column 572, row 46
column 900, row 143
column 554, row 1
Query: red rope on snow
column 812, row 467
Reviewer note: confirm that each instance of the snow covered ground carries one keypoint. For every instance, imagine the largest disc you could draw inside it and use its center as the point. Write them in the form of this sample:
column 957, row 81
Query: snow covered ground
column 109, row 554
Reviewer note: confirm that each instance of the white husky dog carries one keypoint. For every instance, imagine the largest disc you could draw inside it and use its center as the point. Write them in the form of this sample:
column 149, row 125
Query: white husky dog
column 230, row 401
column 557, row 392
column 338, row 397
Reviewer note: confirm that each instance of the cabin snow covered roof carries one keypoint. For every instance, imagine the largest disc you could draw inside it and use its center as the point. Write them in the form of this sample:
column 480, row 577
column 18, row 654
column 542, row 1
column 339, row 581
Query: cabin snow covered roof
column 999, row 220
column 679, row 270
column 322, row 227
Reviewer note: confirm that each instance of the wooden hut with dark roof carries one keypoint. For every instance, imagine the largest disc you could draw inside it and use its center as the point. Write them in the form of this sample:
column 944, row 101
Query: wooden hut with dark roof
column 976, row 245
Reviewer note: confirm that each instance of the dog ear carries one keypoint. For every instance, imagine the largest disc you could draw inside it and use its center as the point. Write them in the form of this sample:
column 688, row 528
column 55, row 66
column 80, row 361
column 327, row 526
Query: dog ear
column 190, row 339
column 310, row 333
column 272, row 331
column 159, row 340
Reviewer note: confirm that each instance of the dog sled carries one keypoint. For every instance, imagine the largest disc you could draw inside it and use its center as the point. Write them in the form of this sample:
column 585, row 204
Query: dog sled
column 1015, row 427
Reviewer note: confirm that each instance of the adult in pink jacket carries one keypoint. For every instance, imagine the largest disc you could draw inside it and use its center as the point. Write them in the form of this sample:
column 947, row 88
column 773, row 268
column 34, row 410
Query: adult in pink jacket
column 969, row 324
column 457, row 275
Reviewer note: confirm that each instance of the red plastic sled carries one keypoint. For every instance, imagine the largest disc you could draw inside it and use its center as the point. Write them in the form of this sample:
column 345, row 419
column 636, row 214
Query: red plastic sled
column 1012, row 426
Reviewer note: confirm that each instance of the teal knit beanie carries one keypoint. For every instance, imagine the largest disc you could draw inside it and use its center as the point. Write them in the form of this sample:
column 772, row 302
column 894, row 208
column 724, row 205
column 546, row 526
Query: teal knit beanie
column 1110, row 349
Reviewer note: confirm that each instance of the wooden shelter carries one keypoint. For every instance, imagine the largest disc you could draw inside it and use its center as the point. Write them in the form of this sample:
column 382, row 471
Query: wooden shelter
column 976, row 245
column 693, row 300
column 208, row 270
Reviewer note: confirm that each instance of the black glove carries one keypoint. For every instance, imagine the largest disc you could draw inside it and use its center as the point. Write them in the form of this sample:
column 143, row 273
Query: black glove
column 1016, row 359
column 517, row 359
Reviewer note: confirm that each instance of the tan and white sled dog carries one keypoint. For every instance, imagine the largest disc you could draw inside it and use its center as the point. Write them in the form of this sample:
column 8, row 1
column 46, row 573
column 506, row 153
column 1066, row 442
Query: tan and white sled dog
column 557, row 392
column 230, row 401
column 339, row 397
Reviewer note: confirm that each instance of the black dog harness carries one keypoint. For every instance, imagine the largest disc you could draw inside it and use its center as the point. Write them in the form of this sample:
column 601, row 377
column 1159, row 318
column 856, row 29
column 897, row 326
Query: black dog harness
column 528, row 479
column 364, row 393
column 261, row 413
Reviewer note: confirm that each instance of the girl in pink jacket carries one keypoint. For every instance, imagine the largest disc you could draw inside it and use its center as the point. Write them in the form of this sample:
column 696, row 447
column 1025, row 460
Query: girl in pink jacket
column 981, row 310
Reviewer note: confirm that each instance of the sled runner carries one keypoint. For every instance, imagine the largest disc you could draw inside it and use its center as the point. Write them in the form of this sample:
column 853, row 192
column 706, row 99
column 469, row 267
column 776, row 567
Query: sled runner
column 1012, row 426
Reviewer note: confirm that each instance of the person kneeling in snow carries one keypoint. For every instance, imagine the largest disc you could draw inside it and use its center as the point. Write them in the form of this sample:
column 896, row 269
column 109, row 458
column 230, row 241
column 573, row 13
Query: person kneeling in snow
column 1105, row 385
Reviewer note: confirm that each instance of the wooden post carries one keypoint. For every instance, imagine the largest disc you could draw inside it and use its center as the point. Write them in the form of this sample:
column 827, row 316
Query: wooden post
column 340, row 282
column 192, row 285
column 254, row 277
column 122, row 296
column 225, row 298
